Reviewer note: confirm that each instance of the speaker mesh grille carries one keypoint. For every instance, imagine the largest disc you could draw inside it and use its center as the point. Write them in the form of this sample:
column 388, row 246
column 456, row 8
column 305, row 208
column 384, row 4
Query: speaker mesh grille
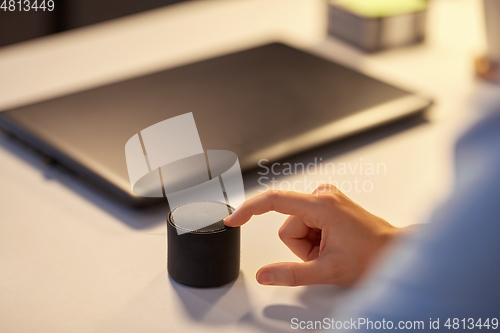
column 204, row 216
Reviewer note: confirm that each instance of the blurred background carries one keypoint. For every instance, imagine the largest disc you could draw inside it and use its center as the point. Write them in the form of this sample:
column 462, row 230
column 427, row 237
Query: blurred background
column 18, row 26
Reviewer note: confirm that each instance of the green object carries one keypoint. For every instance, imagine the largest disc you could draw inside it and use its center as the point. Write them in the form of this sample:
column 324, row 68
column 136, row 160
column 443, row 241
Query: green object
column 382, row 8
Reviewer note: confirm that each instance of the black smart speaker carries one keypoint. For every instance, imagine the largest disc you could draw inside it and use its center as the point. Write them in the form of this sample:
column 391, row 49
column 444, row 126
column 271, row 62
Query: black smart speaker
column 201, row 253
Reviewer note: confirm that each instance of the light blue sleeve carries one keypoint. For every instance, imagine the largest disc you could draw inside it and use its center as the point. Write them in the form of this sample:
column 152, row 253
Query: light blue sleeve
column 450, row 268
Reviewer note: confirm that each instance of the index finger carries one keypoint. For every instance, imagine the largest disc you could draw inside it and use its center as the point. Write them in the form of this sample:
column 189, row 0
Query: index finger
column 291, row 203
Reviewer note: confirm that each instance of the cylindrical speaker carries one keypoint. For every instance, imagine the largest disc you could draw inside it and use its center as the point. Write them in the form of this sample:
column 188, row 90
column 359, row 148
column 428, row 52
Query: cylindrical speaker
column 202, row 253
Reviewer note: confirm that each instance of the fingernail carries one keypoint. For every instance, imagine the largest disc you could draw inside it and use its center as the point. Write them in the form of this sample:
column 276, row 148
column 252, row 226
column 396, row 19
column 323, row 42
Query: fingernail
column 265, row 278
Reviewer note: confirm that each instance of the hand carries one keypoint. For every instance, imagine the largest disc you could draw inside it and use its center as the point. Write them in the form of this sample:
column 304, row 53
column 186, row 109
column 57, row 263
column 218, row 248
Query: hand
column 336, row 238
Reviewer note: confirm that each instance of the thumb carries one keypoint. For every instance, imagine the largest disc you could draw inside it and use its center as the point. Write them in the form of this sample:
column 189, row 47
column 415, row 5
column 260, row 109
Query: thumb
column 293, row 273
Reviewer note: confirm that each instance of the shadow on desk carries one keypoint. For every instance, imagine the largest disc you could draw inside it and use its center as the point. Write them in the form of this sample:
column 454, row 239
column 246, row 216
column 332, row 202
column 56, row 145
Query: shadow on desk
column 219, row 305
column 314, row 304
column 146, row 218
column 230, row 304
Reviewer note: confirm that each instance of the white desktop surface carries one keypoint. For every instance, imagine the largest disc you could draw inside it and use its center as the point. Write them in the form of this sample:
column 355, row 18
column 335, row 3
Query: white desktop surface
column 74, row 261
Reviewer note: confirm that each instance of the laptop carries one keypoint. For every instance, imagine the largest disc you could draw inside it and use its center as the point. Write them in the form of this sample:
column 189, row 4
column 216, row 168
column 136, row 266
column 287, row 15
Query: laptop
column 263, row 103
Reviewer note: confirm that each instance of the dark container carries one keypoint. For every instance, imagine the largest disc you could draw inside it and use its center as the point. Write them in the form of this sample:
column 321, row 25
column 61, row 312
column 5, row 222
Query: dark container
column 205, row 257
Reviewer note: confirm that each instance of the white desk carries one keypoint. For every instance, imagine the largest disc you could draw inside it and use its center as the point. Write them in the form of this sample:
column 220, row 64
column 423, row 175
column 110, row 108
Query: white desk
column 71, row 260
